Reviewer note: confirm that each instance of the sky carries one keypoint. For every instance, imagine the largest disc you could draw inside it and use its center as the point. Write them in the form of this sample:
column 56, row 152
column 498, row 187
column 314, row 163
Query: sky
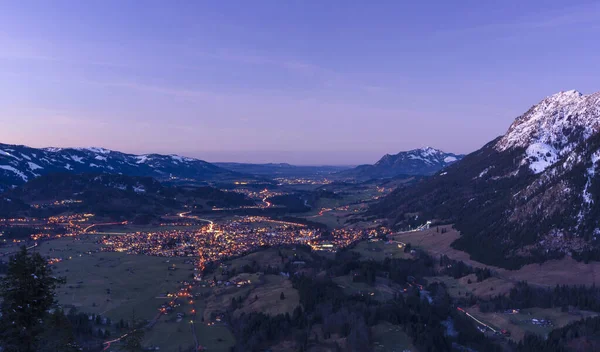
column 305, row 82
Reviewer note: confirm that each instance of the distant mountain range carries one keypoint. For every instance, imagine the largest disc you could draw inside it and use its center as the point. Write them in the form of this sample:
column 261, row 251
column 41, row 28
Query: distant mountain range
column 19, row 164
column 281, row 169
column 527, row 196
column 424, row 161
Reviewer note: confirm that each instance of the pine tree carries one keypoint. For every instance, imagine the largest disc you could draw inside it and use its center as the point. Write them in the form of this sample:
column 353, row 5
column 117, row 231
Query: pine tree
column 58, row 334
column 133, row 341
column 27, row 293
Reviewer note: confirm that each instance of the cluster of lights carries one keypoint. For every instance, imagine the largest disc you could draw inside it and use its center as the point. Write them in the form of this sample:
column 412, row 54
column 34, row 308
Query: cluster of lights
column 217, row 241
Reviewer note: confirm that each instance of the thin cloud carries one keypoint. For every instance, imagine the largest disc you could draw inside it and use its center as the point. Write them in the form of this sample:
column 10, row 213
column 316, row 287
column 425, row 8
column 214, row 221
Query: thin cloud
column 550, row 19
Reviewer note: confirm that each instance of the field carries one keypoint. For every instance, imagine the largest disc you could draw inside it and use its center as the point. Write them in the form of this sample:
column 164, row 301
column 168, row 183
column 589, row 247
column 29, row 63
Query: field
column 382, row 290
column 564, row 271
column 114, row 284
column 138, row 284
column 520, row 323
column 379, row 250
column 457, row 288
column 390, row 338
column 254, row 293
column 266, row 297
column 268, row 257
column 129, row 228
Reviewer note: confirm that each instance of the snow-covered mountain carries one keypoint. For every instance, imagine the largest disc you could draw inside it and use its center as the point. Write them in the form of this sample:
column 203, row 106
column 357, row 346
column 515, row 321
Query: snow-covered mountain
column 553, row 128
column 532, row 193
column 423, row 161
column 19, row 164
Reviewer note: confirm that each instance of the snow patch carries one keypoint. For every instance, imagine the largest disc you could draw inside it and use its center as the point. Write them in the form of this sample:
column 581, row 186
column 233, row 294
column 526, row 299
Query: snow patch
column 141, row 159
column 53, row 149
column 77, row 159
column 33, row 166
column 4, row 152
column 540, row 156
column 96, row 150
column 484, row 172
column 101, row 158
column 180, row 158
column 12, row 169
column 450, row 159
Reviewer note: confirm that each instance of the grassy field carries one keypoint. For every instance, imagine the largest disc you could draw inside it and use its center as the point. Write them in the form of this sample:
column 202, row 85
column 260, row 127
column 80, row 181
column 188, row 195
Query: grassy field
column 137, row 284
column 548, row 274
column 269, row 301
column 390, row 338
column 381, row 291
column 520, row 323
column 129, row 228
column 379, row 250
column 170, row 333
column 113, row 284
column 268, row 257
column 262, row 294
column 458, row 288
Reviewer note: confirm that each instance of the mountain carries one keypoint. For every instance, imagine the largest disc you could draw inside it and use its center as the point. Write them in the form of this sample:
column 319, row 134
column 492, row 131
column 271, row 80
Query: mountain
column 424, row 161
column 19, row 164
column 527, row 196
column 281, row 169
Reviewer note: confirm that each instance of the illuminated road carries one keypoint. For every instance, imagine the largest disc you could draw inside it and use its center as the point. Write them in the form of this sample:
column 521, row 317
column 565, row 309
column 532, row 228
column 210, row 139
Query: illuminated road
column 267, row 203
column 321, row 212
column 104, row 224
column 210, row 222
column 477, row 320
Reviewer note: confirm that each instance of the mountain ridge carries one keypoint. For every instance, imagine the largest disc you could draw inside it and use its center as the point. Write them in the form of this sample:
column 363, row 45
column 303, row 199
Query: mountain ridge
column 20, row 163
column 419, row 162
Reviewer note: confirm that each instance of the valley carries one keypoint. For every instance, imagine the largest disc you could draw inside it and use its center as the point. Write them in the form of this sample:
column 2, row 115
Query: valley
column 423, row 251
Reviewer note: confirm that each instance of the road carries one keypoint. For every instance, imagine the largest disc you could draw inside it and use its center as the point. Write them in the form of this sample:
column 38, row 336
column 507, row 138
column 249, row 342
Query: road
column 210, row 222
column 104, row 224
column 476, row 320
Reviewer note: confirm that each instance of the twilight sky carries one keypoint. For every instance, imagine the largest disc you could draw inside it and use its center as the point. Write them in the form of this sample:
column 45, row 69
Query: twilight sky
column 305, row 82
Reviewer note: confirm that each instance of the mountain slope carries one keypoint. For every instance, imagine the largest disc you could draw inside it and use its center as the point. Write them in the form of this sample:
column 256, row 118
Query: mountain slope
column 527, row 196
column 19, row 164
column 424, row 161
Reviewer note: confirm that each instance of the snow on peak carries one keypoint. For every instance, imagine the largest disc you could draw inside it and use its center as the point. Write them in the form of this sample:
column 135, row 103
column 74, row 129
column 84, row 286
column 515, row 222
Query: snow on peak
column 141, row 159
column 97, row 150
column 53, row 149
column 181, row 158
column 553, row 127
column 428, row 151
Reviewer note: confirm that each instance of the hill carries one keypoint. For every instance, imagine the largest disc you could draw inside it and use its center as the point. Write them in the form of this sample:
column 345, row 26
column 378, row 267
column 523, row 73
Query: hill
column 113, row 196
column 19, row 164
column 424, row 161
column 527, row 196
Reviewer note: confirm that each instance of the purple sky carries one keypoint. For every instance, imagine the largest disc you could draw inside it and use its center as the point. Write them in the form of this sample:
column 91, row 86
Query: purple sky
column 305, row 82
